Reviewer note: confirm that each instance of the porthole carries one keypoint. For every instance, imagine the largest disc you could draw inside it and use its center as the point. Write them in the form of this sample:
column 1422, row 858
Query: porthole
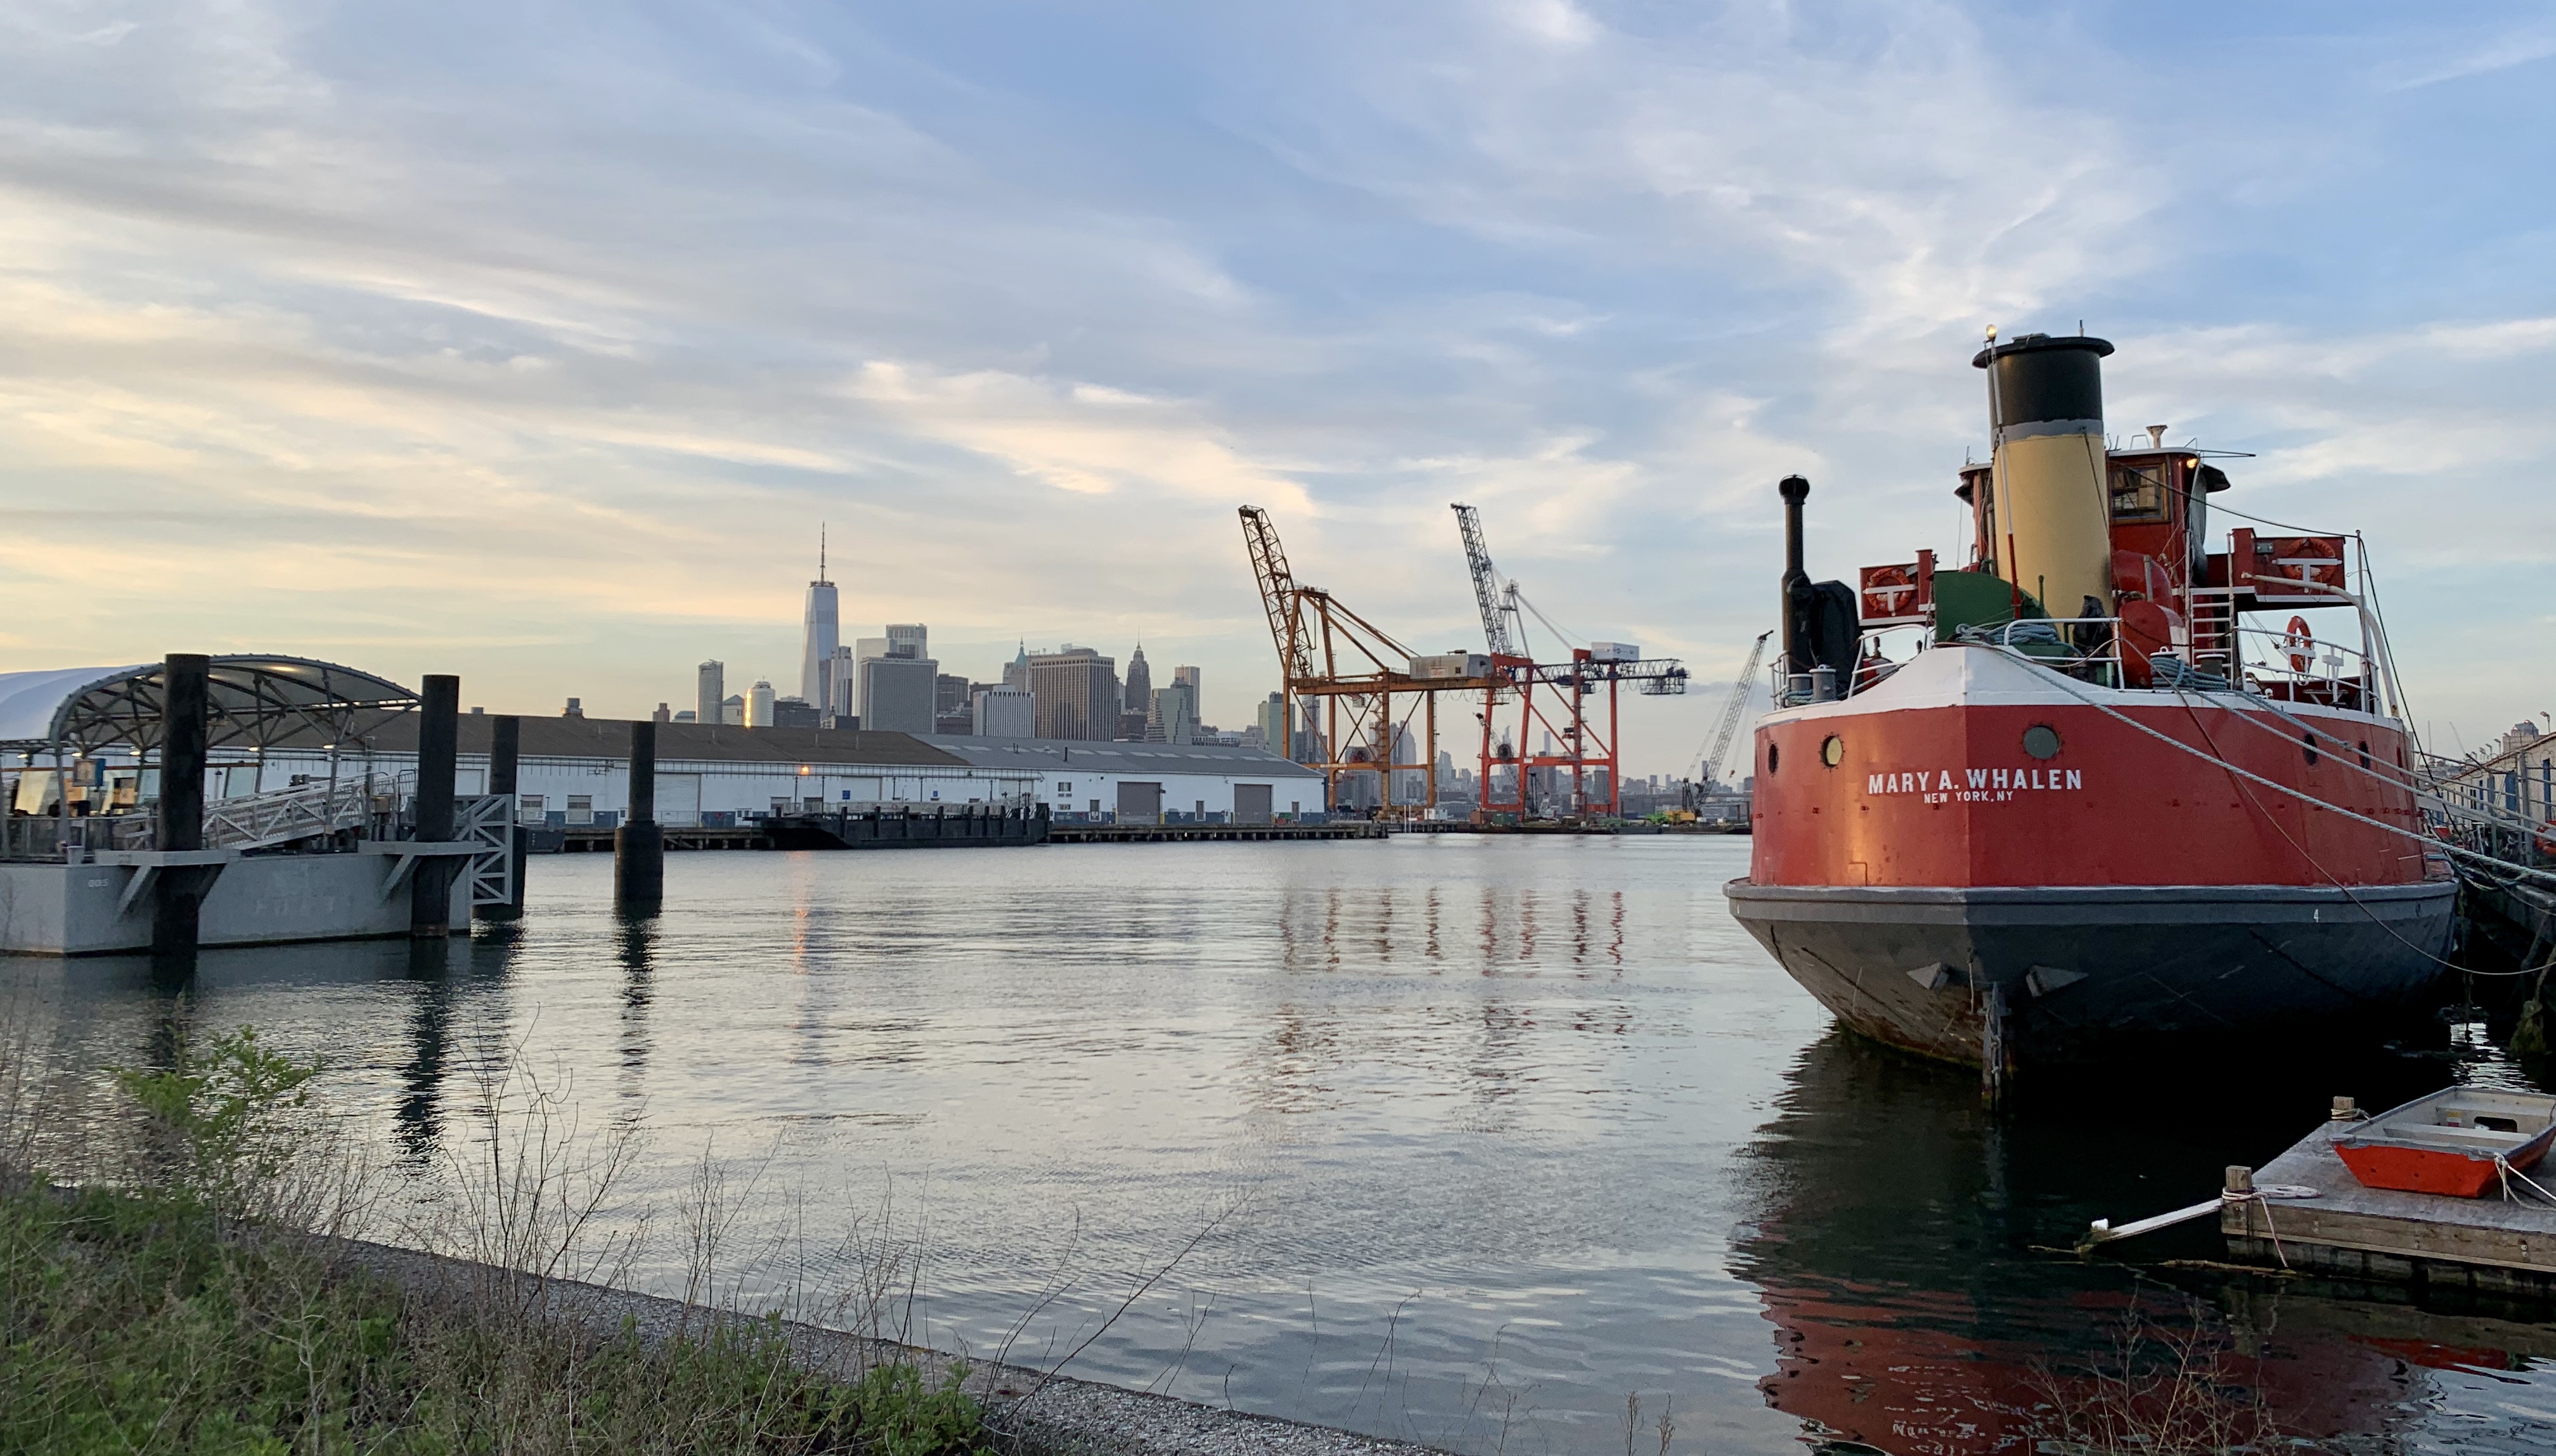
column 1773, row 751
column 2041, row 740
column 1833, row 752
column 2307, row 740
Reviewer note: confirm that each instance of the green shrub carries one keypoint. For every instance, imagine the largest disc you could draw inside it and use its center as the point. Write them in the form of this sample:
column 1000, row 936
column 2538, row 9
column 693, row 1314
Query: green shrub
column 169, row 1319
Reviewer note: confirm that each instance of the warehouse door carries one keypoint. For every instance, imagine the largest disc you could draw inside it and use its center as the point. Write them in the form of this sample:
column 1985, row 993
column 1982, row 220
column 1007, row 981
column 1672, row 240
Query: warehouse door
column 1252, row 804
column 679, row 800
column 1140, row 803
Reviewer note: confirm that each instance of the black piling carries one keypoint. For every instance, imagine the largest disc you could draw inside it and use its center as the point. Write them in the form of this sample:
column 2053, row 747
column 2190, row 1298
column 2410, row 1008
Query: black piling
column 505, row 751
column 639, row 845
column 439, row 726
column 186, row 717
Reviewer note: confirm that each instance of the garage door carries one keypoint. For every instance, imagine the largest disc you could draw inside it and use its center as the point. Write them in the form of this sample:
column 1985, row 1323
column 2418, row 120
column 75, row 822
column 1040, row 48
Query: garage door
column 679, row 800
column 1252, row 804
column 1140, row 803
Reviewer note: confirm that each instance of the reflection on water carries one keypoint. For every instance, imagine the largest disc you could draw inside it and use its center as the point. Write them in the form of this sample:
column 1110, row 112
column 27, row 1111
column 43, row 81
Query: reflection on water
column 1484, row 1135
column 1911, row 1254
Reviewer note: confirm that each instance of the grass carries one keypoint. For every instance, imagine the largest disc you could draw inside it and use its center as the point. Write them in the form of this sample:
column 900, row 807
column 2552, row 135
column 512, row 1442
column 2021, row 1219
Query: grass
column 199, row 1303
column 2170, row 1388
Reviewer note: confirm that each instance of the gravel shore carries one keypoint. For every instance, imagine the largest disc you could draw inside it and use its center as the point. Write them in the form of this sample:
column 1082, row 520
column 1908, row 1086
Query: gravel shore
column 1049, row 1416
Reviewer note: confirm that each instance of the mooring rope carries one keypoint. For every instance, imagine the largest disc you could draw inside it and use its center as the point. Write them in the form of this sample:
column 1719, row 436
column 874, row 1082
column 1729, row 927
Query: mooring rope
column 2262, row 1198
column 2507, row 1172
column 2069, row 685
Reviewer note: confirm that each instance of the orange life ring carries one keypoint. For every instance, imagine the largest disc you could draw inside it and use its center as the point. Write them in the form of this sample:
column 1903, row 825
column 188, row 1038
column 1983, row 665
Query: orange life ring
column 2300, row 646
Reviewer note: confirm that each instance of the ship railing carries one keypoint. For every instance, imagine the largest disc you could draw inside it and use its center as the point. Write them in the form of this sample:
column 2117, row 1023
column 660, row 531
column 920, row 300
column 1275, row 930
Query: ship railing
column 2281, row 666
column 2220, row 641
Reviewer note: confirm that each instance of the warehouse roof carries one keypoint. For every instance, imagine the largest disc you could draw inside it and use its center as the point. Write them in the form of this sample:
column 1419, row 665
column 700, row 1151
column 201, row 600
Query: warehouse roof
column 609, row 738
column 1052, row 755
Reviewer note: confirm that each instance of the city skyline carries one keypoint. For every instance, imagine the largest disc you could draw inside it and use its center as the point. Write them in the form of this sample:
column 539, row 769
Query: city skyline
column 434, row 351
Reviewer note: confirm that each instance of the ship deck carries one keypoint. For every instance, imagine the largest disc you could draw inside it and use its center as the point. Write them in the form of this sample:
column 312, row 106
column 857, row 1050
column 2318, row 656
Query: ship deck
column 2484, row 1245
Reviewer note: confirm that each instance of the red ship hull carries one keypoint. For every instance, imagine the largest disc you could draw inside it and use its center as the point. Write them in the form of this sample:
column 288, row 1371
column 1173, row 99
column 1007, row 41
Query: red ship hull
column 1980, row 837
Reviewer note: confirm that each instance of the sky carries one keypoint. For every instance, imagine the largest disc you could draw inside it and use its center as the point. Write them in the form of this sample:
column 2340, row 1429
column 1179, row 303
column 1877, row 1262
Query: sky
column 534, row 343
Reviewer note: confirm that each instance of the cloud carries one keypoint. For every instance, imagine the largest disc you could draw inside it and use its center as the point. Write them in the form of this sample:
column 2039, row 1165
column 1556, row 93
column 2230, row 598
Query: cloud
column 487, row 334
column 2513, row 48
column 1090, row 440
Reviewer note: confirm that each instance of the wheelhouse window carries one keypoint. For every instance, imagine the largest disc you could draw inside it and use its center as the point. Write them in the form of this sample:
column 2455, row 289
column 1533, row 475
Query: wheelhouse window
column 2138, row 492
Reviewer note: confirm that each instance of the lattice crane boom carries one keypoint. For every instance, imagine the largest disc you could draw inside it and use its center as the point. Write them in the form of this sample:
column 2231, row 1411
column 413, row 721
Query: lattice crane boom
column 1709, row 762
column 1487, row 583
column 1279, row 595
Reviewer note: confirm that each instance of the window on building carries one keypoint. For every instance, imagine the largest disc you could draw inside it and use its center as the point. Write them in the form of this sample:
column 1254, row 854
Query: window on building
column 529, row 806
column 1065, row 789
column 814, row 803
column 1096, row 806
column 580, row 808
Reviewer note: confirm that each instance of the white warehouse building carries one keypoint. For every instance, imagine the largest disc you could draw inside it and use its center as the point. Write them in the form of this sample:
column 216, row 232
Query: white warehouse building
column 575, row 773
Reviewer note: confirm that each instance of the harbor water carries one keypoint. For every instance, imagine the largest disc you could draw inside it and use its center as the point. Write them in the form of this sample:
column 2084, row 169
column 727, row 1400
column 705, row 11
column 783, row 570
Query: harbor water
column 1472, row 1141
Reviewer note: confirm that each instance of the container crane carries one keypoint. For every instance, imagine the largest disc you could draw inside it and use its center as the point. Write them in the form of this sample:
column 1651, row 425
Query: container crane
column 1359, row 670
column 1585, row 744
column 1707, row 763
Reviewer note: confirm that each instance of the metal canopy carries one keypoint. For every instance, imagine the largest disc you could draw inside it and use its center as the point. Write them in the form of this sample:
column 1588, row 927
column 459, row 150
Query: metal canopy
column 256, row 701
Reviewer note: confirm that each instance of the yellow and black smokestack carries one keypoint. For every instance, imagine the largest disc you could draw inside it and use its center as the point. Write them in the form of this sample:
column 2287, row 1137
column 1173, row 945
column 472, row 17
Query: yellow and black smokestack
column 2051, row 491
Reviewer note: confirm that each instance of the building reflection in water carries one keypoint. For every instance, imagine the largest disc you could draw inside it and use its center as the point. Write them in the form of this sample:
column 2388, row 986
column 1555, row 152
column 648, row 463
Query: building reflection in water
column 1909, row 1250
column 1481, row 1044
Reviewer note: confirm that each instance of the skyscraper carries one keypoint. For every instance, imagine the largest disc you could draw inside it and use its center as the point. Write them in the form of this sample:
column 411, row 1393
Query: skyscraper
column 1188, row 679
column 905, row 641
column 758, row 706
column 1077, row 692
column 1273, row 725
column 1174, row 715
column 711, row 691
column 897, row 695
column 824, row 630
column 843, row 699
column 1140, row 682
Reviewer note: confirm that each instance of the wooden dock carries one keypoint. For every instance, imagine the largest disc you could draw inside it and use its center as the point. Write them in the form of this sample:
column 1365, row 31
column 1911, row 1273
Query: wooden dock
column 2484, row 1244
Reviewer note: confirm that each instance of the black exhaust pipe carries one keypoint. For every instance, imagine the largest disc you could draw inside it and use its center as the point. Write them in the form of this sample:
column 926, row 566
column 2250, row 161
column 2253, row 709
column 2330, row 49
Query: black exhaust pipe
column 1797, row 582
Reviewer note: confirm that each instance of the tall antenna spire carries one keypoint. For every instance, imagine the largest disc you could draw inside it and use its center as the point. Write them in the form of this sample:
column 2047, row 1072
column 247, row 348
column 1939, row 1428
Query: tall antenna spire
column 821, row 551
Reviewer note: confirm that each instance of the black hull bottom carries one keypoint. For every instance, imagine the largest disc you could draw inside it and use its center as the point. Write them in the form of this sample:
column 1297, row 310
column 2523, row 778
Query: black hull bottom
column 2104, row 973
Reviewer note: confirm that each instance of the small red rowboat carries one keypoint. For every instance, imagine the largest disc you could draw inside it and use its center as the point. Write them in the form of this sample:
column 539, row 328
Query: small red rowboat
column 2456, row 1141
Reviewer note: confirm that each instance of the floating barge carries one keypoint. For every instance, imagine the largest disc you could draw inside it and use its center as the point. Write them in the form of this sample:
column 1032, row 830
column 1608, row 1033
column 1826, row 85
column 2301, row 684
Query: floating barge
column 1071, row 833
column 2490, row 1245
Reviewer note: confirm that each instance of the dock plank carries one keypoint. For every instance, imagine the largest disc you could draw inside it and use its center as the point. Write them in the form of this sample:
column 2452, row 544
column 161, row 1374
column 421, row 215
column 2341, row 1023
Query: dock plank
column 2385, row 1233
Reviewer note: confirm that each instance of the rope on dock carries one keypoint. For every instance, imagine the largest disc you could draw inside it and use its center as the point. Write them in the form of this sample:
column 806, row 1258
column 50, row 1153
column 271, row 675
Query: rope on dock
column 2263, row 1197
column 2507, row 1172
